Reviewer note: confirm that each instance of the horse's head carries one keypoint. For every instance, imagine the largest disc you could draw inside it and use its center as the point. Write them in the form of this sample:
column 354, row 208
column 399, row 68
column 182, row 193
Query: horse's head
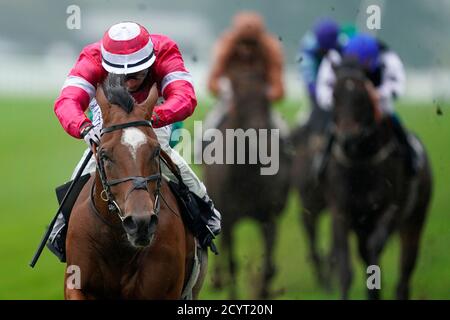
column 128, row 160
column 356, row 112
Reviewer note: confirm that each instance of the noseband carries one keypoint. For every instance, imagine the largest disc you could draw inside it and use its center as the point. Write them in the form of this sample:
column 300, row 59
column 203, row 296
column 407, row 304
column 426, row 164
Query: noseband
column 139, row 182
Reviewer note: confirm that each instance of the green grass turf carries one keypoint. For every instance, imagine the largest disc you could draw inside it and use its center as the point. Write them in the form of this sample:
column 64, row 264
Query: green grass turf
column 37, row 155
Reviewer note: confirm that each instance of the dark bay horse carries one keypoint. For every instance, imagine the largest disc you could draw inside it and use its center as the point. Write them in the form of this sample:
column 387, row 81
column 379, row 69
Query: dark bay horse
column 367, row 187
column 126, row 235
column 308, row 141
column 240, row 190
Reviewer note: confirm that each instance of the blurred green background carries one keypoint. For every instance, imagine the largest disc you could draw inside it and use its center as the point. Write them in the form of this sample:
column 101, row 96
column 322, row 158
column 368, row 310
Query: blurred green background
column 37, row 155
column 37, row 49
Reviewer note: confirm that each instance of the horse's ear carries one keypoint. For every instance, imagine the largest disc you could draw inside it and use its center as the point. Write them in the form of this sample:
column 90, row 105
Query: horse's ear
column 150, row 102
column 101, row 98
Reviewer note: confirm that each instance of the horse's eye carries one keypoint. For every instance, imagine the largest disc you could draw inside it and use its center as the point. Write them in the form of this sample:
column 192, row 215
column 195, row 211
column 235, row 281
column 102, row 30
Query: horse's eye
column 155, row 154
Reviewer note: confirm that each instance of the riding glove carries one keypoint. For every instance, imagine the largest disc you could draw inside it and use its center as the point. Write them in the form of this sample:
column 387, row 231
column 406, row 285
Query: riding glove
column 91, row 134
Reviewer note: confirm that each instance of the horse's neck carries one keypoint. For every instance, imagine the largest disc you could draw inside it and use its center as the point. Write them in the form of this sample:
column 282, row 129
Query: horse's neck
column 250, row 108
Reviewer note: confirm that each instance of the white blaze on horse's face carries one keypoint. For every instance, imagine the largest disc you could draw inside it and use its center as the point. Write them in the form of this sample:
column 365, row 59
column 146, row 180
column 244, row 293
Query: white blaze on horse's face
column 133, row 138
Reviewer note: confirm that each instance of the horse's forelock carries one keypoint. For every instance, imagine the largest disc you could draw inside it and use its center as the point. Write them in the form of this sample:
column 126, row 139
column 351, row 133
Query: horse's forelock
column 117, row 94
column 352, row 85
column 349, row 75
column 350, row 68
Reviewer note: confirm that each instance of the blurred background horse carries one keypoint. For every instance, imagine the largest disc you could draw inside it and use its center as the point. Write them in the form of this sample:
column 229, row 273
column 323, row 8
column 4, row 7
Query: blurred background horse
column 367, row 186
column 240, row 190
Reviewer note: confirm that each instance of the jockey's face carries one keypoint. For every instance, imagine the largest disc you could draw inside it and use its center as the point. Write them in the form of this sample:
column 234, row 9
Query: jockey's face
column 133, row 81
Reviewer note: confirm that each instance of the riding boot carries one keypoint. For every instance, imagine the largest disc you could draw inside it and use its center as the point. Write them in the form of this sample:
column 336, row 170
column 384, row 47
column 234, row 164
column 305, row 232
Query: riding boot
column 212, row 219
column 411, row 157
column 57, row 240
column 200, row 215
column 322, row 159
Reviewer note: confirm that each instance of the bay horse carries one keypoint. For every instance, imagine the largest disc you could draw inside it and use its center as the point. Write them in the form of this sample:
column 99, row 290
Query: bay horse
column 126, row 235
column 367, row 187
column 308, row 141
column 240, row 190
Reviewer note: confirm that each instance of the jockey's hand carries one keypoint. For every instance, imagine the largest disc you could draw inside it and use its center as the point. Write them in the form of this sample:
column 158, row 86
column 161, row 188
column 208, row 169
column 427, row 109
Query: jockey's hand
column 91, row 134
column 155, row 119
column 207, row 241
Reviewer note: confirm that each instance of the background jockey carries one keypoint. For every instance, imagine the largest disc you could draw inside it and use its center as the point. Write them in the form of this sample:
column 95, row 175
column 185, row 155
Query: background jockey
column 326, row 35
column 247, row 26
column 385, row 70
column 127, row 48
column 314, row 46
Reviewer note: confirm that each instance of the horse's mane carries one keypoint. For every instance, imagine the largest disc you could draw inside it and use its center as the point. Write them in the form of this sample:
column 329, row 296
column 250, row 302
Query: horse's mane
column 116, row 93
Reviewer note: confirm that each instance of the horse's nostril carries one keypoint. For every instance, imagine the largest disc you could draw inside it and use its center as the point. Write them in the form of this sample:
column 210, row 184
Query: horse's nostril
column 130, row 225
column 140, row 224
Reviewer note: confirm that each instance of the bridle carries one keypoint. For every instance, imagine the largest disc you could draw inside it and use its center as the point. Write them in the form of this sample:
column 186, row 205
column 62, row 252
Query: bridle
column 366, row 133
column 139, row 182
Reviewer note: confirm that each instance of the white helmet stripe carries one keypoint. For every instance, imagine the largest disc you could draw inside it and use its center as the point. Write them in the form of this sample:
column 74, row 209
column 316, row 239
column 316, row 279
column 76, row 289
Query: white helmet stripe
column 174, row 76
column 79, row 82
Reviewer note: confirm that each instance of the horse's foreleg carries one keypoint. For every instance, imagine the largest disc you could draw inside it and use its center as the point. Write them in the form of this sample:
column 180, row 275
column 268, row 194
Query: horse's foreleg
column 217, row 279
column 269, row 233
column 384, row 227
column 74, row 294
column 372, row 294
column 73, row 288
column 409, row 238
column 224, row 264
column 309, row 220
column 232, row 267
column 341, row 251
column 377, row 240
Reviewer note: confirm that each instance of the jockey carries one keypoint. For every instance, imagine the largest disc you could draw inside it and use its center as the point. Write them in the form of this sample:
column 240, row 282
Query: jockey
column 385, row 70
column 128, row 48
column 314, row 46
column 247, row 26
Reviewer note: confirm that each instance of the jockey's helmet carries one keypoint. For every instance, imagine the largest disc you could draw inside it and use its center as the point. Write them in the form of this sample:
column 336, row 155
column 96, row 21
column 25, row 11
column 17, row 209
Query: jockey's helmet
column 127, row 48
column 365, row 49
column 326, row 31
column 248, row 25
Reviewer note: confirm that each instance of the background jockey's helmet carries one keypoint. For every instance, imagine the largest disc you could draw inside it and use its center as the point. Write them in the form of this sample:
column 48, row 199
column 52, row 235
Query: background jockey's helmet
column 248, row 25
column 365, row 49
column 326, row 31
column 127, row 48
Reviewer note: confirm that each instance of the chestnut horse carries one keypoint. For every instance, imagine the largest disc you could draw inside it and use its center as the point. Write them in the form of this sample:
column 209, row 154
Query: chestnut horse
column 240, row 190
column 126, row 235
